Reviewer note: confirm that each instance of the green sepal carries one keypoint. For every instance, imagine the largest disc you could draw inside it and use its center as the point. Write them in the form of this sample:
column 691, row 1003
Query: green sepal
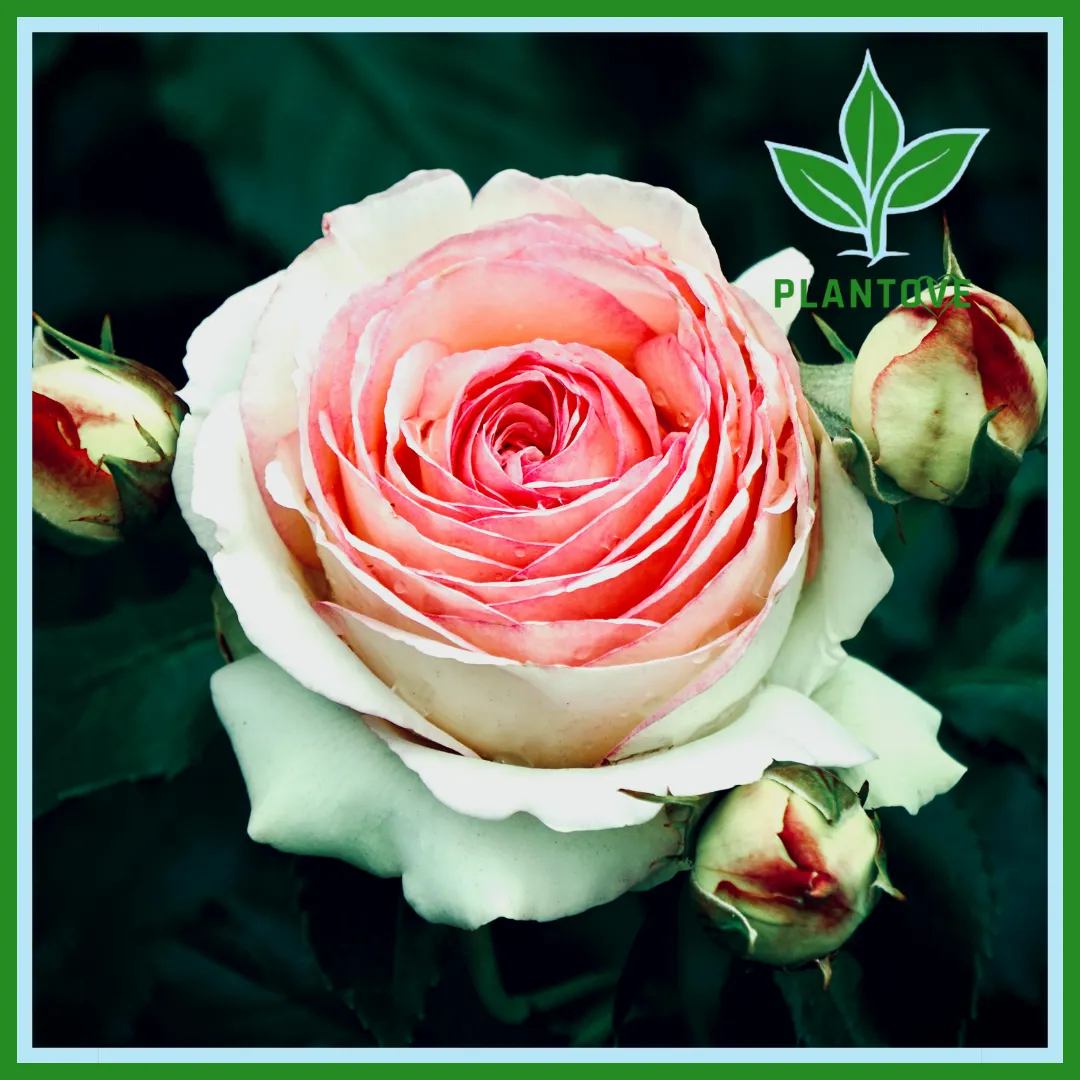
column 882, row 880
column 872, row 481
column 233, row 643
column 991, row 468
column 827, row 387
column 729, row 926
column 45, row 531
column 107, row 336
column 948, row 256
column 693, row 801
column 833, row 338
column 684, row 812
column 91, row 353
column 821, row 788
column 141, row 486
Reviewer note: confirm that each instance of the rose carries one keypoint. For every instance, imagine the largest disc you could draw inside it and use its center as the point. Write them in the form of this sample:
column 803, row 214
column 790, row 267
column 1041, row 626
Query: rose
column 104, row 435
column 787, row 868
column 926, row 377
column 357, row 493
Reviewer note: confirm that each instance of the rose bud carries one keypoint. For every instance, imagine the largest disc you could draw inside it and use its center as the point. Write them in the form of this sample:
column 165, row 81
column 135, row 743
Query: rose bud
column 105, row 433
column 786, row 868
column 927, row 377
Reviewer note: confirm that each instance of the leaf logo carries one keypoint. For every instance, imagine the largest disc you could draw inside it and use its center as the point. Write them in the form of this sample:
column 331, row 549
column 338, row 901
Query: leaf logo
column 881, row 175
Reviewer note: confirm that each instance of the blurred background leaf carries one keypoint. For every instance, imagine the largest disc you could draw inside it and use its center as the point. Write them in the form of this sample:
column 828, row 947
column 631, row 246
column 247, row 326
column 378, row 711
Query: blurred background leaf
column 170, row 171
column 125, row 696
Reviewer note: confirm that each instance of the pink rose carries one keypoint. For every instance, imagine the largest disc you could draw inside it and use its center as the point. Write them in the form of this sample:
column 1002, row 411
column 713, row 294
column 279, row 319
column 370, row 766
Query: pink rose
column 525, row 482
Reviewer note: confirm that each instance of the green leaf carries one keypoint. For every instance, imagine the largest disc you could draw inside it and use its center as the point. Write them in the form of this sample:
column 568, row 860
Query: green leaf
column 837, row 1016
column 928, row 952
column 1007, row 808
column 645, row 992
column 375, row 951
column 833, row 338
column 923, row 559
column 157, row 921
column 998, row 705
column 123, row 696
column 112, row 873
column 928, row 169
column 820, row 186
column 871, row 127
column 703, row 969
column 828, row 389
column 293, row 125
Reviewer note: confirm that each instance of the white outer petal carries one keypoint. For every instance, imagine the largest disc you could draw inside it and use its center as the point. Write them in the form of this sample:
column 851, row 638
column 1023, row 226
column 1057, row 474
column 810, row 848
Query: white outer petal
column 760, row 282
column 511, row 193
column 852, row 578
column 217, row 353
column 901, row 729
column 387, row 230
column 777, row 724
column 219, row 347
column 321, row 783
column 656, row 211
column 183, row 480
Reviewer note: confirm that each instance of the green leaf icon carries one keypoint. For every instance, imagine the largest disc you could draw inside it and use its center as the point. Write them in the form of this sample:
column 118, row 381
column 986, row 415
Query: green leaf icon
column 881, row 175
column 871, row 127
column 929, row 168
column 821, row 187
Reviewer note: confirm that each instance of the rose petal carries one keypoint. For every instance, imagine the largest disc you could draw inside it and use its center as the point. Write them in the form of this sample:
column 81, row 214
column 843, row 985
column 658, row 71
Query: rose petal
column 322, row 784
column 512, row 194
column 851, row 579
column 731, row 667
column 901, row 729
column 759, row 281
column 389, row 229
column 219, row 347
column 656, row 211
column 308, row 293
column 266, row 585
column 70, row 491
column 777, row 724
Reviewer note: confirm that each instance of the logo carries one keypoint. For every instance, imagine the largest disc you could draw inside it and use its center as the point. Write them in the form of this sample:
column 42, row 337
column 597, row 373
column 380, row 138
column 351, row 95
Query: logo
column 881, row 175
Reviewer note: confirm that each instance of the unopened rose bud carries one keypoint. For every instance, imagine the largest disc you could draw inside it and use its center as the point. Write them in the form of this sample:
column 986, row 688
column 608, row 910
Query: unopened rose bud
column 925, row 379
column 105, row 433
column 786, row 868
